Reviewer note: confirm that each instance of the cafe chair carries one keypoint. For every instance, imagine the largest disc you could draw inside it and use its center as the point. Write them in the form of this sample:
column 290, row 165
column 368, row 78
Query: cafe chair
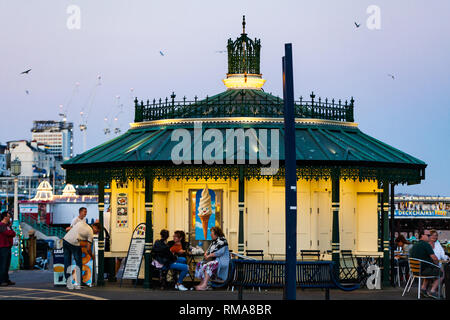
column 416, row 267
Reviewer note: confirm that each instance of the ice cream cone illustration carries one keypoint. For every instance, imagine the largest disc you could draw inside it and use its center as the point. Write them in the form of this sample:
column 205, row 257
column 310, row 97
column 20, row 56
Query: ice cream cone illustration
column 205, row 209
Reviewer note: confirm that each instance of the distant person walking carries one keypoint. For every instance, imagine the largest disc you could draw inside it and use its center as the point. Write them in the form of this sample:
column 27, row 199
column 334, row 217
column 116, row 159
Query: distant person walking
column 72, row 248
column 82, row 212
column 6, row 242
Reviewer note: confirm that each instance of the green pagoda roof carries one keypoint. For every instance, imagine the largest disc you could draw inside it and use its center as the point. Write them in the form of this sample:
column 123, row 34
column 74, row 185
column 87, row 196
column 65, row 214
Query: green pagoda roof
column 318, row 145
column 327, row 139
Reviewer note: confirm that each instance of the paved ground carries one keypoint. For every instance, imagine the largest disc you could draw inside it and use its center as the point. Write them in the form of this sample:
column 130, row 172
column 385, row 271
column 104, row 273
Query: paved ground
column 38, row 285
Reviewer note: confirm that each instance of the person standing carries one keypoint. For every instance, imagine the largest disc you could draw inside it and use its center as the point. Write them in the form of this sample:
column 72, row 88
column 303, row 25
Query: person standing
column 6, row 242
column 82, row 212
column 81, row 231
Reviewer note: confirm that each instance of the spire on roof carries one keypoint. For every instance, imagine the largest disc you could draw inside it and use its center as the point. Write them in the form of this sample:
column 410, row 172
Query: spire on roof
column 243, row 62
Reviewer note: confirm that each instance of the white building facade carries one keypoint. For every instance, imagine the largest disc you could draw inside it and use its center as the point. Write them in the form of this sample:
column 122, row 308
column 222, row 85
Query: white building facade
column 57, row 135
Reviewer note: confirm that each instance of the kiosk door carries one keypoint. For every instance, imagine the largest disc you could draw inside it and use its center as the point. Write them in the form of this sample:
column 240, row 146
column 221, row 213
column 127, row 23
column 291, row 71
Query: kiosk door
column 322, row 209
column 159, row 218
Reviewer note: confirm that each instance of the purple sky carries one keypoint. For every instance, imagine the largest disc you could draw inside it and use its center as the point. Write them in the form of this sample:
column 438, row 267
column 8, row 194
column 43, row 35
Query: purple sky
column 121, row 40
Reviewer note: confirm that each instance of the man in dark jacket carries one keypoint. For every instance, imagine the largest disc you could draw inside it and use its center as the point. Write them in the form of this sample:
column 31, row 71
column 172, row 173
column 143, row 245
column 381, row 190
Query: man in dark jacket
column 6, row 242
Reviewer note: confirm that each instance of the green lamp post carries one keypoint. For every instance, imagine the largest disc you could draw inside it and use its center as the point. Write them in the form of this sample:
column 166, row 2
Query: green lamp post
column 16, row 167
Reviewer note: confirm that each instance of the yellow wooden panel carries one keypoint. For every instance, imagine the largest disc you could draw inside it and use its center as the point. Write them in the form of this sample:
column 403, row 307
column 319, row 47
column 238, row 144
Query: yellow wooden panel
column 159, row 218
column 233, row 221
column 304, row 212
column 256, row 221
column 277, row 220
column 322, row 212
column 367, row 234
column 347, row 215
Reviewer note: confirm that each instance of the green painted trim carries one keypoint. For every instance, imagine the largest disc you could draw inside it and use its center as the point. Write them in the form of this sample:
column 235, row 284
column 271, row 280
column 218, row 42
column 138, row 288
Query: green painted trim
column 386, row 258
column 241, row 208
column 335, row 231
column 148, row 232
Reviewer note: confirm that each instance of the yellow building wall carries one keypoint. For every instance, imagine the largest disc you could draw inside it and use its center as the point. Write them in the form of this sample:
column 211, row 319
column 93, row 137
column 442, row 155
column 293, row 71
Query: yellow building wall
column 264, row 217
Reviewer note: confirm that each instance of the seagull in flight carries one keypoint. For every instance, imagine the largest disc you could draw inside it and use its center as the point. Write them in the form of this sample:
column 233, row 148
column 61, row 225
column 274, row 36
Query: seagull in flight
column 161, row 53
column 27, row 92
column 357, row 25
column 26, row 72
column 390, row 75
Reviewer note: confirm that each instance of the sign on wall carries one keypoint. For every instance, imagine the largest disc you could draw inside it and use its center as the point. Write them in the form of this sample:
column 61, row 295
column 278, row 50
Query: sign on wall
column 205, row 213
column 122, row 211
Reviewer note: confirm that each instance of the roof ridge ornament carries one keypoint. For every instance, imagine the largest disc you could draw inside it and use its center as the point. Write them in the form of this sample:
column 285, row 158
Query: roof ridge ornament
column 244, row 62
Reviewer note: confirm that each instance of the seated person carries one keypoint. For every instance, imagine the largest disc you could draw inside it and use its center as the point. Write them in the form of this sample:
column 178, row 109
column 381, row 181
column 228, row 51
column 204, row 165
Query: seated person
column 422, row 250
column 164, row 258
column 437, row 248
column 216, row 261
column 404, row 246
column 178, row 246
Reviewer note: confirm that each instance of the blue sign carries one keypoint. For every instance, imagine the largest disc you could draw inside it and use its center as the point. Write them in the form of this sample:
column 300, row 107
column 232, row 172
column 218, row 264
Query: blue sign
column 435, row 214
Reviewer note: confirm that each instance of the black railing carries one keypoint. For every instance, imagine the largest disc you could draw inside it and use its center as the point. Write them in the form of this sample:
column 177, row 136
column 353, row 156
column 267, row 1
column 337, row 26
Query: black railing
column 216, row 108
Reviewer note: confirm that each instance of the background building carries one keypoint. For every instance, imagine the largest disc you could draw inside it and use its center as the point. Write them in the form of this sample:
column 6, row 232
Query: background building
column 414, row 212
column 3, row 169
column 57, row 135
column 37, row 163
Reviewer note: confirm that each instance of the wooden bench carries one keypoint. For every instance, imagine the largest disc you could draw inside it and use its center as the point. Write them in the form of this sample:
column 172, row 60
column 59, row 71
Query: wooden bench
column 310, row 254
column 270, row 274
column 255, row 253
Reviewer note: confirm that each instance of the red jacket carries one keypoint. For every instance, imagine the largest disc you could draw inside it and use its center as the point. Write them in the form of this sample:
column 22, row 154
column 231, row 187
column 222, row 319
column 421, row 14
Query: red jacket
column 6, row 236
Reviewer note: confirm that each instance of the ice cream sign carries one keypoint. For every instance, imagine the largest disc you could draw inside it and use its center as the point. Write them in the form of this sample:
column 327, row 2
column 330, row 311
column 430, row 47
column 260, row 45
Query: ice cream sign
column 205, row 213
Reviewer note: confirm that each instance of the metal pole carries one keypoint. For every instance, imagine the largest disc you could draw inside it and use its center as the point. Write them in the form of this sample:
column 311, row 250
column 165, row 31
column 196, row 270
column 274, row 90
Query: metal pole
column 16, row 212
column 15, row 250
column 101, row 236
column 385, row 228
column 241, row 199
column 290, row 175
column 148, row 232
column 392, row 233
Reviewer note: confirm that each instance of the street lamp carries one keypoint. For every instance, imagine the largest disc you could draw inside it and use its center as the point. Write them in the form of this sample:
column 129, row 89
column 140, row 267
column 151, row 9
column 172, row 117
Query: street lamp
column 16, row 168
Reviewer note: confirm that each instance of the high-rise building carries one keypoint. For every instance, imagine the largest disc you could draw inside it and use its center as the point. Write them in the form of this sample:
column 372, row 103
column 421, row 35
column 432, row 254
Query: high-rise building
column 57, row 135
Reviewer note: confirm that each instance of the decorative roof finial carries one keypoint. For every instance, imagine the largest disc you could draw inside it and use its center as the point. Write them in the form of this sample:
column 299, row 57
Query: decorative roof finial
column 243, row 24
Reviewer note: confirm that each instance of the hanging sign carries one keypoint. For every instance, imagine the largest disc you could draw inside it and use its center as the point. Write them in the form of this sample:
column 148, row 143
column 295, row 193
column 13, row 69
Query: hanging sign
column 135, row 253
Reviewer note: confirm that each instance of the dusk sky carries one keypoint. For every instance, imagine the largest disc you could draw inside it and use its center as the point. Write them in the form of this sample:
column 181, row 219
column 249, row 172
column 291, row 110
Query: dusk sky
column 121, row 41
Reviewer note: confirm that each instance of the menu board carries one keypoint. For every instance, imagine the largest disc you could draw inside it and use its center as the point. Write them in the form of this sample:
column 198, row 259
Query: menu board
column 135, row 253
column 122, row 211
